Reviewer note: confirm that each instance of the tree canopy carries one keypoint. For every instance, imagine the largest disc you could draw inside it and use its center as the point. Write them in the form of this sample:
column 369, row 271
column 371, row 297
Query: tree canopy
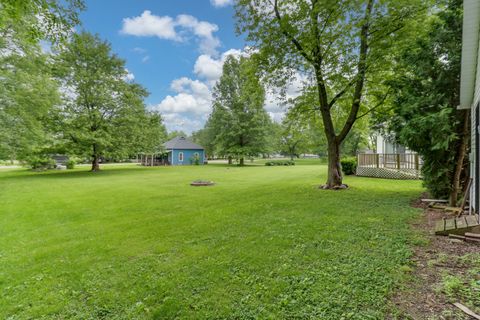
column 342, row 47
column 27, row 90
column 425, row 116
column 239, row 120
column 101, row 108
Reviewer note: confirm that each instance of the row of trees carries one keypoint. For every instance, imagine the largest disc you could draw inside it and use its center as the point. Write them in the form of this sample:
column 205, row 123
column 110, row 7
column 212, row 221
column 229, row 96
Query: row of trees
column 343, row 48
column 239, row 127
column 365, row 62
column 395, row 62
column 75, row 100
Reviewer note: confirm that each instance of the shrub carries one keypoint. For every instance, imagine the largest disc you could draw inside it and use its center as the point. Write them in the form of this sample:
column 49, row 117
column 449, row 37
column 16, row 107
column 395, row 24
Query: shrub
column 195, row 159
column 40, row 163
column 71, row 164
column 349, row 165
column 280, row 163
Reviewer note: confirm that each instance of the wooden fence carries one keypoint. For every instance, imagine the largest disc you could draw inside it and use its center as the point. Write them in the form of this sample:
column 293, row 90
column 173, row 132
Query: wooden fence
column 389, row 165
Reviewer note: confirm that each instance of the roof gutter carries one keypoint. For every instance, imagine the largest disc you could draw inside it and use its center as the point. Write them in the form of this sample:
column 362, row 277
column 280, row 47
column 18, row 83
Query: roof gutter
column 470, row 35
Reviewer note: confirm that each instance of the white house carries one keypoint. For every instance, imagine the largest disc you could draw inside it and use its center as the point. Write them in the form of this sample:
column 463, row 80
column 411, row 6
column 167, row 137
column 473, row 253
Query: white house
column 386, row 145
column 470, row 87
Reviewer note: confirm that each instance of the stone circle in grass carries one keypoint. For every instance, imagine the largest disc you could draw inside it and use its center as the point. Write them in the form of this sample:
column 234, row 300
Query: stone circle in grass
column 202, row 183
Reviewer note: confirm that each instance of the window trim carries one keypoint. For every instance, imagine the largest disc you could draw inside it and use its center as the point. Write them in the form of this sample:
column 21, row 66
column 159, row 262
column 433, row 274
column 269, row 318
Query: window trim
column 180, row 156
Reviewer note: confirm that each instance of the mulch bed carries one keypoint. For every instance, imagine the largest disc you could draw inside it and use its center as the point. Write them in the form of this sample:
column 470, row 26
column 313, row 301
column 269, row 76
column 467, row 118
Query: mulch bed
column 421, row 299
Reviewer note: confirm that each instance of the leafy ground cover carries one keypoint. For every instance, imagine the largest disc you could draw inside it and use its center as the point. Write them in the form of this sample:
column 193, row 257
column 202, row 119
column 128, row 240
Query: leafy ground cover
column 444, row 271
column 141, row 243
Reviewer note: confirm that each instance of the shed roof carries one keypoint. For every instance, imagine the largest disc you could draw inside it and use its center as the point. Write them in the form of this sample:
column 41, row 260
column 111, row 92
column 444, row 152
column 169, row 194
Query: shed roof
column 182, row 143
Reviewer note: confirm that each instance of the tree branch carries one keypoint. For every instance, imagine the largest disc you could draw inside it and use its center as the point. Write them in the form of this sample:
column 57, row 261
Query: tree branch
column 376, row 106
column 342, row 92
column 361, row 72
column 295, row 42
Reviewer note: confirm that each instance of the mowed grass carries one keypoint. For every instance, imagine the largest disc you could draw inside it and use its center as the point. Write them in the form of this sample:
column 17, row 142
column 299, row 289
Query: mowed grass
column 140, row 243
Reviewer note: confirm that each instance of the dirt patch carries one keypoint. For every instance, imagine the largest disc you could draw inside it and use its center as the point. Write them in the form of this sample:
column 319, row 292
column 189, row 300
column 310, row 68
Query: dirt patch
column 424, row 296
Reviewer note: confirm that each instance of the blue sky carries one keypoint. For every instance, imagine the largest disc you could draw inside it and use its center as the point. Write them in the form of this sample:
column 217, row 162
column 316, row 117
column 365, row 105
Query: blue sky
column 173, row 48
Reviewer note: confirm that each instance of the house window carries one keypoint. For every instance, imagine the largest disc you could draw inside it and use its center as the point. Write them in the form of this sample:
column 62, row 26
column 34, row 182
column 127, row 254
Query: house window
column 196, row 155
column 180, row 156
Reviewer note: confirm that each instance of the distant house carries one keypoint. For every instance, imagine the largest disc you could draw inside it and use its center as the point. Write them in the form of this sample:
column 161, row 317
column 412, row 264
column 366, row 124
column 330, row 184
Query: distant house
column 181, row 151
column 385, row 144
column 389, row 160
column 60, row 159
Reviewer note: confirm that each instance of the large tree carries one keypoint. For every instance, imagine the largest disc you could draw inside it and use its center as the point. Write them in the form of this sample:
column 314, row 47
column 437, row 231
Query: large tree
column 342, row 45
column 294, row 136
column 151, row 133
column 33, row 20
column 27, row 94
column 427, row 85
column 206, row 138
column 239, row 120
column 176, row 133
column 101, row 109
column 27, row 90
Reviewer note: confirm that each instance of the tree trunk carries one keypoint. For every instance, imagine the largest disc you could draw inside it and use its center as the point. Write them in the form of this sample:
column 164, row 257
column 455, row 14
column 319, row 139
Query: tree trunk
column 460, row 158
column 95, row 163
column 95, row 159
column 334, row 180
column 230, row 161
column 242, row 161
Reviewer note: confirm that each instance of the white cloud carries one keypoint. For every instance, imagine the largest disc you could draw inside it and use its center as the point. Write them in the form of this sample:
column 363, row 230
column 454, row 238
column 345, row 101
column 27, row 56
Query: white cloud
column 210, row 69
column 221, row 3
column 142, row 52
column 277, row 116
column 189, row 107
column 193, row 96
column 178, row 29
column 276, row 103
column 202, row 29
column 129, row 77
column 174, row 121
column 150, row 25
column 183, row 103
column 139, row 50
column 185, row 84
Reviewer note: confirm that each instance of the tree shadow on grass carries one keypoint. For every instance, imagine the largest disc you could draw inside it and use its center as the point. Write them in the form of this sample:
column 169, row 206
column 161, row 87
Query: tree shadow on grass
column 70, row 174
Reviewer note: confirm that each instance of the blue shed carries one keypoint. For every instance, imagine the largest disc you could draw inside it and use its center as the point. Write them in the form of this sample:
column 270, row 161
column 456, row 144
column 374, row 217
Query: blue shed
column 184, row 152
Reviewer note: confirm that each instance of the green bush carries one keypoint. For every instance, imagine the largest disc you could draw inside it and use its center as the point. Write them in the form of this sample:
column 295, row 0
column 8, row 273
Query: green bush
column 280, row 163
column 40, row 163
column 349, row 165
column 195, row 159
column 71, row 164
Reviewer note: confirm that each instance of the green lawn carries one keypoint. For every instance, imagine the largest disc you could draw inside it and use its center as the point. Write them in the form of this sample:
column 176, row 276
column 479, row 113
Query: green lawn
column 140, row 243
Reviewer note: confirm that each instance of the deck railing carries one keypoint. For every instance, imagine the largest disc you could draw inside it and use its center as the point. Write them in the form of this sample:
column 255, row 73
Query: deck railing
column 389, row 165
